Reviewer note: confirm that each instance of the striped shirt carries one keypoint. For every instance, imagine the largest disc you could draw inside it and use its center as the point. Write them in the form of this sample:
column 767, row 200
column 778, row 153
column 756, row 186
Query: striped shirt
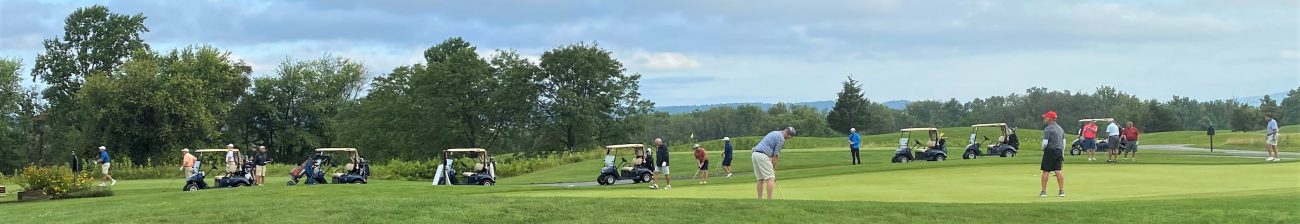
column 771, row 144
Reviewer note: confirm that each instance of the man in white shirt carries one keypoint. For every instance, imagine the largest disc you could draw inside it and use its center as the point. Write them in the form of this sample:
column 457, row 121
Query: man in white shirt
column 230, row 160
column 1270, row 141
column 1112, row 140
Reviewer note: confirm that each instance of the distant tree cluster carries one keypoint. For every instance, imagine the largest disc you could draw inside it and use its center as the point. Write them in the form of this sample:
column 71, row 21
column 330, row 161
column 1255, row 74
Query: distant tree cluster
column 105, row 86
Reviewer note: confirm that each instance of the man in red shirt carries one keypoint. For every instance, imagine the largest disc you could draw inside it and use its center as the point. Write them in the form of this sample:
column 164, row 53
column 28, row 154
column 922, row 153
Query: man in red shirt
column 1090, row 139
column 703, row 158
column 1131, row 136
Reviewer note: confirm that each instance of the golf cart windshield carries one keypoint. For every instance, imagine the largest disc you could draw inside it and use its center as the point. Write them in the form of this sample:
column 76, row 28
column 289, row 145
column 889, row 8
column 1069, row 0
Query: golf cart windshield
column 906, row 133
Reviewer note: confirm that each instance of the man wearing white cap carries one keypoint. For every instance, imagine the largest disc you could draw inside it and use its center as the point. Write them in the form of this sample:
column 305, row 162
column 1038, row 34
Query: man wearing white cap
column 230, row 160
column 766, row 154
column 104, row 165
column 726, row 156
column 187, row 162
column 702, row 159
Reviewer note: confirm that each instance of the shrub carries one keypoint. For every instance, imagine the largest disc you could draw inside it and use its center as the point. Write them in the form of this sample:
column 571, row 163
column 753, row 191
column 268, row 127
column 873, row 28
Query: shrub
column 55, row 181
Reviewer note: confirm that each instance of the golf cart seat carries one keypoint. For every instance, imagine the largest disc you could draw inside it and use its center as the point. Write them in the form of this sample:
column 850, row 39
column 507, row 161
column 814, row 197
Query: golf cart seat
column 350, row 166
column 930, row 144
column 627, row 168
column 478, row 167
column 467, row 174
column 638, row 161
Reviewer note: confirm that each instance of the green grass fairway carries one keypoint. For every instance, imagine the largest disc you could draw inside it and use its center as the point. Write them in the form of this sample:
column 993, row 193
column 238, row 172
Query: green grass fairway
column 993, row 184
column 818, row 185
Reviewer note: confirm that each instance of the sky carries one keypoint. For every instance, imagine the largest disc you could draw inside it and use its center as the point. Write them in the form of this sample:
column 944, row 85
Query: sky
column 723, row 51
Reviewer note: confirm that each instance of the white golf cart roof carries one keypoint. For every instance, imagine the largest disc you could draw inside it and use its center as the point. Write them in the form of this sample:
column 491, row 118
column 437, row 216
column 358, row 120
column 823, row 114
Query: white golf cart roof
column 336, row 150
column 213, row 150
column 919, row 129
column 990, row 125
column 625, row 146
column 466, row 150
column 1097, row 119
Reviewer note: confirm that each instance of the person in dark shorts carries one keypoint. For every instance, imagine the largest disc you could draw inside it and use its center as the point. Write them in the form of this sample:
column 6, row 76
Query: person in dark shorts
column 855, row 146
column 1053, row 143
column 726, row 156
column 702, row 157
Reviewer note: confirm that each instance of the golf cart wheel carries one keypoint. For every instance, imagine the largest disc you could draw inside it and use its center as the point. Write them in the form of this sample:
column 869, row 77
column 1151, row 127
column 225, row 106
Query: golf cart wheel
column 969, row 155
column 1074, row 151
column 606, row 179
column 1008, row 153
column 600, row 180
column 241, row 184
column 901, row 159
column 487, row 183
column 191, row 187
column 645, row 177
column 940, row 158
column 291, row 183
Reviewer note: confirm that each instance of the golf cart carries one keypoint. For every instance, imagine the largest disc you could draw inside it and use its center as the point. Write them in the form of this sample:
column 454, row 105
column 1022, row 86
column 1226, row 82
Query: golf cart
column 484, row 170
column 1006, row 144
column 933, row 150
column 1076, row 147
column 356, row 171
column 638, row 171
column 240, row 178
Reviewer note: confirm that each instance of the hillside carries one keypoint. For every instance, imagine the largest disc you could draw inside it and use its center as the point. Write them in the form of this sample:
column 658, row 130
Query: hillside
column 825, row 105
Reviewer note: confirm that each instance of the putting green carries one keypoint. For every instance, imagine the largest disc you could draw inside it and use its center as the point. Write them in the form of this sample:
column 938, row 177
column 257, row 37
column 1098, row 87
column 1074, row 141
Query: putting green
column 991, row 184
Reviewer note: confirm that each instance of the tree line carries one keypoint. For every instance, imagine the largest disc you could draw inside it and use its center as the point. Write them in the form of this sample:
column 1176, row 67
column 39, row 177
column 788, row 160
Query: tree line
column 104, row 85
column 854, row 110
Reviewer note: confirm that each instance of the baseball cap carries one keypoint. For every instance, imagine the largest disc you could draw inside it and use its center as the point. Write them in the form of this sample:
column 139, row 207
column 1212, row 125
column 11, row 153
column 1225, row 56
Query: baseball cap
column 230, row 145
column 185, row 150
column 791, row 131
column 1050, row 115
column 726, row 139
column 102, row 148
column 697, row 145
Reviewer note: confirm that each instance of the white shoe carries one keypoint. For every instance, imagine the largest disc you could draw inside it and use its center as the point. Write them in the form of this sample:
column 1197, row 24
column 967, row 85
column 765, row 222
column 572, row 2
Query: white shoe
column 102, row 184
column 114, row 182
column 668, row 187
column 1269, row 159
column 1277, row 159
column 656, row 186
column 728, row 176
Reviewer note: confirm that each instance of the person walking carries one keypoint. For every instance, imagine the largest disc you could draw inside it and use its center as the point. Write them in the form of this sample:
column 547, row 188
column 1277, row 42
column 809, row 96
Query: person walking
column 1090, row 139
column 1112, row 140
column 104, row 165
column 1270, row 139
column 187, row 162
column 726, row 156
column 702, row 161
column 1053, row 157
column 259, row 159
column 661, row 157
column 855, row 143
column 1131, row 137
column 765, row 156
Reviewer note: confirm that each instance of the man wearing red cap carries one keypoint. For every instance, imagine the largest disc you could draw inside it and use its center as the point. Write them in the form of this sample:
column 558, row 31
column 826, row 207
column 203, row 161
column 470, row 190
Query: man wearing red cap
column 1053, row 143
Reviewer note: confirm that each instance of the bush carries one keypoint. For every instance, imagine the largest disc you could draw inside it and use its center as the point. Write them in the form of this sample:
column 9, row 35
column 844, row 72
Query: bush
column 55, row 181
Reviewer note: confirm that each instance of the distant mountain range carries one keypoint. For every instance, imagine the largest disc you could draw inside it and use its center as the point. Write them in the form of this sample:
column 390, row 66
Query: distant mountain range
column 825, row 105
column 1254, row 100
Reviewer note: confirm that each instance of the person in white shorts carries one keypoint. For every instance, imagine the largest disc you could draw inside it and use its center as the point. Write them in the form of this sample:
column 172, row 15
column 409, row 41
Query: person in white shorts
column 765, row 156
column 1270, row 141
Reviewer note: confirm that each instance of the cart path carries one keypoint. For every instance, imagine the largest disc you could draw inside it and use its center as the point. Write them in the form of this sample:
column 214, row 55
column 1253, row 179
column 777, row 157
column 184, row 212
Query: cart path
column 1231, row 152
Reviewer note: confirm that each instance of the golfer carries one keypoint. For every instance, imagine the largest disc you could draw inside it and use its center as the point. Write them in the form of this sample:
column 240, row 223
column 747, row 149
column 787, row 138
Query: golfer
column 661, row 156
column 230, row 160
column 1112, row 139
column 726, row 156
column 187, row 162
column 855, row 143
column 259, row 159
column 1053, row 143
column 1090, row 139
column 765, row 157
column 1131, row 136
column 104, row 165
column 1270, row 139
column 702, row 159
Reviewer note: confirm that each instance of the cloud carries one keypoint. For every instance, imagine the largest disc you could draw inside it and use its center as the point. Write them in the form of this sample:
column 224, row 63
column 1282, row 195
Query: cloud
column 664, row 60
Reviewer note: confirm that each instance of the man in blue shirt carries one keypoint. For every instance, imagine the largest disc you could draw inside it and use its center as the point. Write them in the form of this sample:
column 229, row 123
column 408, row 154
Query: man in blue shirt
column 855, row 143
column 1270, row 140
column 726, row 156
column 104, row 165
column 765, row 157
